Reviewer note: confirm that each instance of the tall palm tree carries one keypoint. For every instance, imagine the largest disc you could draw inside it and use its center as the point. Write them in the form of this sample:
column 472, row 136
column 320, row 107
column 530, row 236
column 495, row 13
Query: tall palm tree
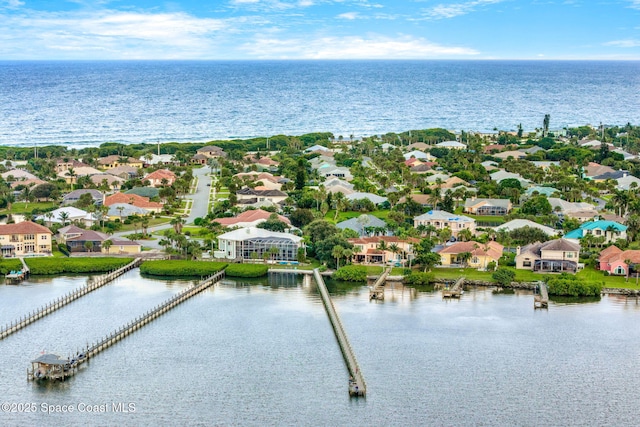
column 64, row 217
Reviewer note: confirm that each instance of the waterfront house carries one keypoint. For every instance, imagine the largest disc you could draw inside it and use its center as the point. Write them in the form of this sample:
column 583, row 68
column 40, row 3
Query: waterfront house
column 482, row 254
column 443, row 219
column 380, row 249
column 80, row 240
column 618, row 262
column 25, row 239
column 253, row 243
column 555, row 256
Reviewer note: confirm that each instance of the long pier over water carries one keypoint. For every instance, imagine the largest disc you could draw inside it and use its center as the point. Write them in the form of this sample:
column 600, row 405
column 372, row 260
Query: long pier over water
column 357, row 385
column 60, row 302
column 73, row 364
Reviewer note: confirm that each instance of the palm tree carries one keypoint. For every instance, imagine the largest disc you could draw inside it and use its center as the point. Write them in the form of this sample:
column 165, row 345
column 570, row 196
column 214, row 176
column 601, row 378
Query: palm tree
column 337, row 253
column 64, row 216
column 177, row 224
column 106, row 245
column 49, row 216
column 464, row 258
column 120, row 209
column 394, row 248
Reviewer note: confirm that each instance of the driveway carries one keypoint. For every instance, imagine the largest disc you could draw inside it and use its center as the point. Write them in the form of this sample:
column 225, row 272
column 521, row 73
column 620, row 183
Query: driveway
column 199, row 208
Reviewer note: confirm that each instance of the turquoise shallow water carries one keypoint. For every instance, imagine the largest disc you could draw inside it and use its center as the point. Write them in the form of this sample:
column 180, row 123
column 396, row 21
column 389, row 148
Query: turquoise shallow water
column 87, row 103
column 254, row 354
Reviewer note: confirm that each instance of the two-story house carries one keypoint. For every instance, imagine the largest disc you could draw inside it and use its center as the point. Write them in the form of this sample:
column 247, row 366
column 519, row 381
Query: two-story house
column 554, row 256
column 25, row 239
column 443, row 219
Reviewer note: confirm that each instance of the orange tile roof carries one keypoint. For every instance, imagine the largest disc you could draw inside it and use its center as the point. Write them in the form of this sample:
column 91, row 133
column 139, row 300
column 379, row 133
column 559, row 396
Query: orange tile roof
column 493, row 249
column 25, row 227
column 160, row 174
column 131, row 199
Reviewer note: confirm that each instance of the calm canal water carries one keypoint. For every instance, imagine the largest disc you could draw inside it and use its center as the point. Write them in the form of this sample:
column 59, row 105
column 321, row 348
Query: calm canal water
column 254, row 354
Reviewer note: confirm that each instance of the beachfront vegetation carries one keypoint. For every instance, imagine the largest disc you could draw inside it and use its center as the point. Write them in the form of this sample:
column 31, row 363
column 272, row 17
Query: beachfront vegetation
column 7, row 265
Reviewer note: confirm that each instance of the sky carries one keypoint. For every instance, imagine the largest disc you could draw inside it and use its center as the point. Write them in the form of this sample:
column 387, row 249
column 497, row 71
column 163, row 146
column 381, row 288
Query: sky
column 320, row 29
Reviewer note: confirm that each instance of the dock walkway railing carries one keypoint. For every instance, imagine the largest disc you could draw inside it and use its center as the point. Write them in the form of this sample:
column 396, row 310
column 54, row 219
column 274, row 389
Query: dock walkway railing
column 149, row 316
column 357, row 385
column 60, row 302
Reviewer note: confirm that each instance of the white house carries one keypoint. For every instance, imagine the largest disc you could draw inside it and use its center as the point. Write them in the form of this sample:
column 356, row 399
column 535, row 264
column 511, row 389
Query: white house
column 257, row 243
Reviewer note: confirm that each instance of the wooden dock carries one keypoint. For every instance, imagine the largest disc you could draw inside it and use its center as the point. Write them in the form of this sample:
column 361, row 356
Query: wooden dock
column 376, row 291
column 126, row 330
column 541, row 296
column 454, row 291
column 357, row 385
column 15, row 277
column 60, row 302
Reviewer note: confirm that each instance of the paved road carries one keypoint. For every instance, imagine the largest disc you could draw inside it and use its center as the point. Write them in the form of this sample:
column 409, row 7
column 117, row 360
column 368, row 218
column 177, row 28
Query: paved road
column 199, row 207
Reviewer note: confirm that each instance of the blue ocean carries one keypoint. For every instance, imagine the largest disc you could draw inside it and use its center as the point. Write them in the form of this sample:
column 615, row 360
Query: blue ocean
column 87, row 103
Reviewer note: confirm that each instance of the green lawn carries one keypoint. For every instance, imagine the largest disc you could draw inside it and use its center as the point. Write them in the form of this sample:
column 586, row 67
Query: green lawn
column 24, row 208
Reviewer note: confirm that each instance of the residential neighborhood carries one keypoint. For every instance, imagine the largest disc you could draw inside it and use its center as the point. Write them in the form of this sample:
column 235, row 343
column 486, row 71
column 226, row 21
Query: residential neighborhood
column 429, row 200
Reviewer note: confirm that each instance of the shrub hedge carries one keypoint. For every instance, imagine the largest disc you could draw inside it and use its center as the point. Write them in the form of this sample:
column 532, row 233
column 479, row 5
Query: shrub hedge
column 568, row 285
column 181, row 268
column 418, row 278
column 7, row 265
column 40, row 266
column 351, row 273
column 246, row 270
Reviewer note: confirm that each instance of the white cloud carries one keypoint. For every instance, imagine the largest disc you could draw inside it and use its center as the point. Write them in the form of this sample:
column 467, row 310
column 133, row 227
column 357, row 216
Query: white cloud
column 635, row 4
column 442, row 11
column 11, row 4
column 108, row 34
column 348, row 15
column 623, row 43
column 353, row 47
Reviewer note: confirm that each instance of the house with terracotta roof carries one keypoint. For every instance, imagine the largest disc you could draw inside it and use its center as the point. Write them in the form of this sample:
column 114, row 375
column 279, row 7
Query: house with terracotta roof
column 160, row 178
column 555, row 256
column 135, row 200
column 618, row 262
column 481, row 254
column 25, row 239
column 249, row 218
column 376, row 249
column 114, row 161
